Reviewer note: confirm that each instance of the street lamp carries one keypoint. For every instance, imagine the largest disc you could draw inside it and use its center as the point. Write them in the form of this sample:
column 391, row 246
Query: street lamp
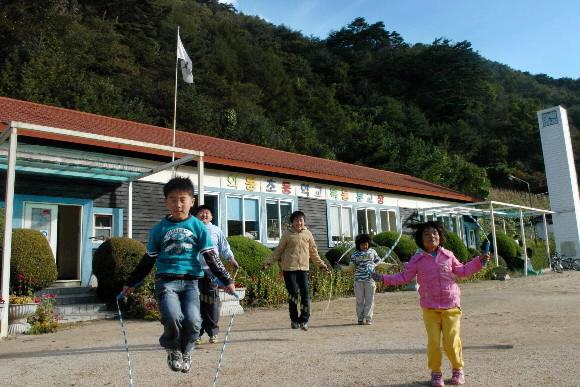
column 512, row 178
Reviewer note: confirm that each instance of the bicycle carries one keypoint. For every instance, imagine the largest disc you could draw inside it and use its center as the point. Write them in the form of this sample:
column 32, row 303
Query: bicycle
column 559, row 264
column 570, row 263
column 556, row 262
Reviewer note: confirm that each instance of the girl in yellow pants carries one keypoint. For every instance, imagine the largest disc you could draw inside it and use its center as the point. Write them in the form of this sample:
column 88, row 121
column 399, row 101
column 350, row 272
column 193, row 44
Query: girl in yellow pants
column 436, row 269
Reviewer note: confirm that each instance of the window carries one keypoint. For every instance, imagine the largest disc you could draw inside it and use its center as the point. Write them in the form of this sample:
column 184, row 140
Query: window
column 103, row 226
column 212, row 202
column 340, row 223
column 471, row 241
column 243, row 217
column 388, row 220
column 277, row 215
column 367, row 221
column 446, row 220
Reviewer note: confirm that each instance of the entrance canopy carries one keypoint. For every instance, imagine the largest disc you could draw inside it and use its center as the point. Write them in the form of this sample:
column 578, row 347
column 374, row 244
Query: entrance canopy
column 493, row 211
column 75, row 163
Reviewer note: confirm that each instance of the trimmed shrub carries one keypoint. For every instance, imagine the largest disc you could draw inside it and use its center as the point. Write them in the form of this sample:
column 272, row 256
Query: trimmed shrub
column 334, row 254
column 404, row 249
column 539, row 254
column 113, row 261
column 249, row 254
column 32, row 264
column 455, row 244
column 506, row 248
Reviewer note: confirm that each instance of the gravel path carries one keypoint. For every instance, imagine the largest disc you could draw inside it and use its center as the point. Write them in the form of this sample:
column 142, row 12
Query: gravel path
column 520, row 332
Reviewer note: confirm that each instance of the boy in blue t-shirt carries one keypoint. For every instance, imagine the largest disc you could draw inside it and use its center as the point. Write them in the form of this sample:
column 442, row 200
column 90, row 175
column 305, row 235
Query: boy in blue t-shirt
column 174, row 247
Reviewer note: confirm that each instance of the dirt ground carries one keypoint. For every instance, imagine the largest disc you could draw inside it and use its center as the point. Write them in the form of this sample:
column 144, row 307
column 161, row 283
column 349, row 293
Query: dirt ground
column 520, row 332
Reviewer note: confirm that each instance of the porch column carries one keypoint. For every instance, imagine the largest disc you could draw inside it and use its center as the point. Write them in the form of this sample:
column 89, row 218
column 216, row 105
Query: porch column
column 522, row 232
column 495, row 256
column 7, row 248
column 130, row 211
column 547, row 241
column 200, row 182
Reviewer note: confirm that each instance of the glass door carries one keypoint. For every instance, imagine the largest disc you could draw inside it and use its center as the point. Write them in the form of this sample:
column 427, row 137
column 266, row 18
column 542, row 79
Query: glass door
column 43, row 218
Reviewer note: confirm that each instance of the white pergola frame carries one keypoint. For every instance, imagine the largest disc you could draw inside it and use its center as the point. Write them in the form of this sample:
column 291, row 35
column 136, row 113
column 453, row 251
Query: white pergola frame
column 11, row 134
column 489, row 210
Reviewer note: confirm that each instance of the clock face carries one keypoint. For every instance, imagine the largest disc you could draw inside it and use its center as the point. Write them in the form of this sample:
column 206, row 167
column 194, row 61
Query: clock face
column 549, row 118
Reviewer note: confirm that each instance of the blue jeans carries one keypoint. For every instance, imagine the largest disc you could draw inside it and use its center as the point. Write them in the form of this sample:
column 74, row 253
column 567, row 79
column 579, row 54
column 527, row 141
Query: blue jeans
column 297, row 283
column 178, row 302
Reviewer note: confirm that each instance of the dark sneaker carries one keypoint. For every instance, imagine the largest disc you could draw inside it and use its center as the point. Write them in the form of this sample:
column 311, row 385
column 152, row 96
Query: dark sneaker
column 294, row 325
column 304, row 326
column 174, row 360
column 213, row 339
column 360, row 322
column 186, row 362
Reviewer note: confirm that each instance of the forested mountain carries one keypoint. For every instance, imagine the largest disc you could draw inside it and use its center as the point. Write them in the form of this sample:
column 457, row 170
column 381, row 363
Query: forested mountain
column 362, row 95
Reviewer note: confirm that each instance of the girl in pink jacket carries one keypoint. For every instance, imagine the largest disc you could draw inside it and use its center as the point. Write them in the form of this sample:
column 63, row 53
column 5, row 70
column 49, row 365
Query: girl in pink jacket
column 436, row 269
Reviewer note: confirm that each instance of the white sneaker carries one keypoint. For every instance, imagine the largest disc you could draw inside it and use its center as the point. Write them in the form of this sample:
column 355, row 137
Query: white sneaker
column 174, row 359
column 186, row 364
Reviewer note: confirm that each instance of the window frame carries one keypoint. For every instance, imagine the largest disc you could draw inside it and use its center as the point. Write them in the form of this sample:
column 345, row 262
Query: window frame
column 366, row 228
column 387, row 227
column 95, row 227
column 278, row 201
column 258, row 206
column 340, row 206
column 116, row 215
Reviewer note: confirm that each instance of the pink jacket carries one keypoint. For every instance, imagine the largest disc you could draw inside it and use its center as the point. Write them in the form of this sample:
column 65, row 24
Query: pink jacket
column 436, row 277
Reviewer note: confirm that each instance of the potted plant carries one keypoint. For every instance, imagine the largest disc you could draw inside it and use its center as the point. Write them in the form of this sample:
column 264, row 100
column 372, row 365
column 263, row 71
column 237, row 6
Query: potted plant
column 19, row 309
column 21, row 304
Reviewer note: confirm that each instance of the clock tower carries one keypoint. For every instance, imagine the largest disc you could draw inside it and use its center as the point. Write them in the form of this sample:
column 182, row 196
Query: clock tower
column 562, row 179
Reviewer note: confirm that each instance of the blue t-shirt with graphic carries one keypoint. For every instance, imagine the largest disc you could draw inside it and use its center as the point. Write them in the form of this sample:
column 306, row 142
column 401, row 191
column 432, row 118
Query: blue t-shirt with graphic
column 177, row 246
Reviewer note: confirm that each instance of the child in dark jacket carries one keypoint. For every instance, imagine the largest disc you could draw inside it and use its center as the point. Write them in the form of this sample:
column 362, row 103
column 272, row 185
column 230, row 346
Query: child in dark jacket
column 436, row 269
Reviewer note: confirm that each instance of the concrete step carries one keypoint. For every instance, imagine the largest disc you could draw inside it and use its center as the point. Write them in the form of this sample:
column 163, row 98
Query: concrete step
column 72, row 295
column 84, row 312
column 68, row 290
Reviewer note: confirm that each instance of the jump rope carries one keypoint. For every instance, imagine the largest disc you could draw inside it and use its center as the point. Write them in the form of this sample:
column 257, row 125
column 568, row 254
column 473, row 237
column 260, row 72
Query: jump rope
column 121, row 296
column 381, row 260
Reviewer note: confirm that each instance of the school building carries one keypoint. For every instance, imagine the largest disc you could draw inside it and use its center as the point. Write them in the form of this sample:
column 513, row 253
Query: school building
column 80, row 177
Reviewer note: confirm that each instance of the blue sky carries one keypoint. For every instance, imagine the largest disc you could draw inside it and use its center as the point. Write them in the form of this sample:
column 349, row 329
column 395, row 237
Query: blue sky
column 527, row 35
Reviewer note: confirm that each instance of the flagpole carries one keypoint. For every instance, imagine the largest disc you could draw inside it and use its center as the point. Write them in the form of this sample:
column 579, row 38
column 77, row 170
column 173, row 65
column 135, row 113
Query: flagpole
column 175, row 100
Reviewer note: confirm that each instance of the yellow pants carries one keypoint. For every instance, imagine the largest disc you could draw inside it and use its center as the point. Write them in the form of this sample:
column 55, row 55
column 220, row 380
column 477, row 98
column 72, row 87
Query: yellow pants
column 448, row 323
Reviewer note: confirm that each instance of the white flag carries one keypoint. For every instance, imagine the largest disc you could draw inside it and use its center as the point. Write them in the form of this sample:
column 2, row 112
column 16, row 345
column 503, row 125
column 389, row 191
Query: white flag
column 185, row 62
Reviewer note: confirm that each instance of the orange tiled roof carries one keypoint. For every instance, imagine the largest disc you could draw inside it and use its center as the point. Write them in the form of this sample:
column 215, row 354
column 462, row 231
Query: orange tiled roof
column 217, row 151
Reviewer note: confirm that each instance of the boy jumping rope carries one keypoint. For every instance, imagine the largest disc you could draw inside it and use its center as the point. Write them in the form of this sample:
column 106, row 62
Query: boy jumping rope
column 174, row 247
